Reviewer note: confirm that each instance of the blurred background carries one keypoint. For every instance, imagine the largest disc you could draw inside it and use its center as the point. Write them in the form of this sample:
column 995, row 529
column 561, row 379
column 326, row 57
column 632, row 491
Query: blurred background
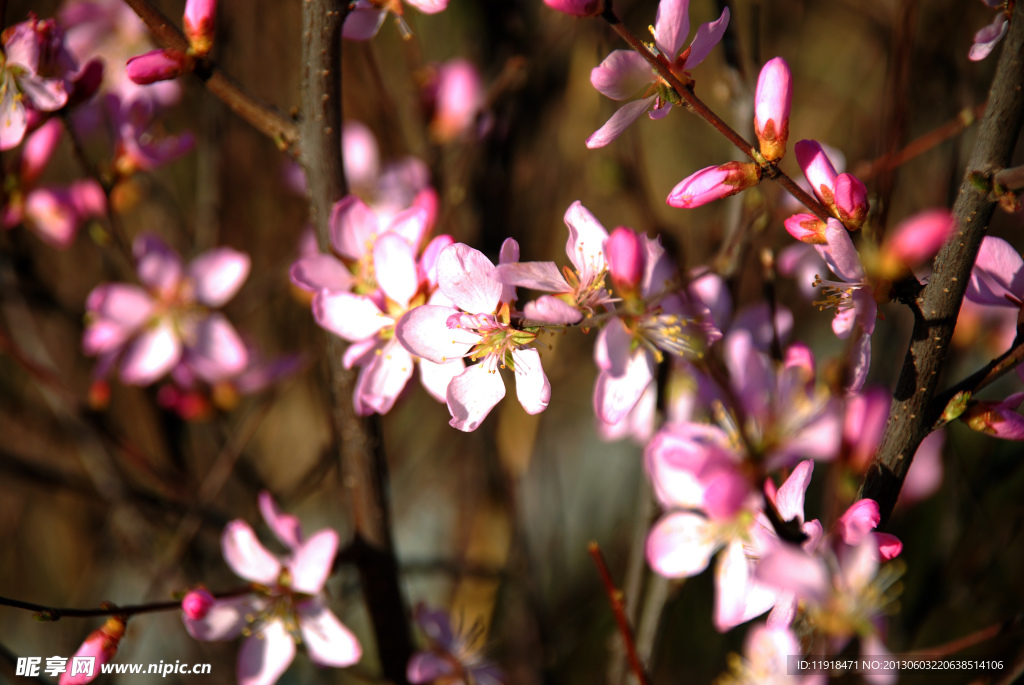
column 127, row 503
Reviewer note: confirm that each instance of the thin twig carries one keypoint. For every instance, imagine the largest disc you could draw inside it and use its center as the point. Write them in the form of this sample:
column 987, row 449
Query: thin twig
column 264, row 118
column 975, row 638
column 983, row 377
column 619, row 609
column 662, row 68
column 46, row 613
column 913, row 413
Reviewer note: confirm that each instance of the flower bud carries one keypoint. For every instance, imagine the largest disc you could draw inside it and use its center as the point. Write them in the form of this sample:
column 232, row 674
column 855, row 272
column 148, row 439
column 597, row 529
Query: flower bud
column 199, row 25
column 102, row 646
column 158, row 65
column 197, row 603
column 771, row 108
column 714, row 183
column 999, row 419
column 915, row 241
column 38, row 148
column 624, row 252
column 578, row 8
column 851, row 200
column 817, row 168
column 807, row 228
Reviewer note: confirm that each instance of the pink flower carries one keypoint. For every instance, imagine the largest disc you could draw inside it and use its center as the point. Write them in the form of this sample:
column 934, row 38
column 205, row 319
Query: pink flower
column 478, row 326
column 985, row 40
column 200, row 16
column 624, row 73
column 766, row 657
column 843, row 194
column 914, row 242
column 579, row 292
column 148, row 330
column 577, row 8
column 998, row 419
column 714, row 183
column 772, row 104
column 456, row 97
column 287, row 601
column 157, row 65
column 34, row 76
column 366, row 16
column 197, row 603
column 101, row 645
column 450, row 657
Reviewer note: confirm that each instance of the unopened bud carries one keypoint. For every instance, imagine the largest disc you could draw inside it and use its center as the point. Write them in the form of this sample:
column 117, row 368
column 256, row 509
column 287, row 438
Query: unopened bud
column 625, row 254
column 817, row 168
column 714, row 183
column 772, row 104
column 158, row 65
column 199, row 25
column 915, row 241
column 197, row 603
column 807, row 228
column 577, row 8
column 998, row 419
column 851, row 200
column 100, row 645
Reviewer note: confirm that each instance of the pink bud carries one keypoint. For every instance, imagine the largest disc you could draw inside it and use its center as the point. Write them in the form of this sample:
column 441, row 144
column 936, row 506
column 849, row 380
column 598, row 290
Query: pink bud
column 860, row 519
column 38, row 149
column 199, row 24
column 197, row 603
column 851, row 200
column 999, row 419
column 714, row 183
column 918, row 238
column 158, row 65
column 102, row 646
column 817, row 168
column 88, row 198
column 771, row 107
column 579, row 8
column 807, row 228
column 624, row 252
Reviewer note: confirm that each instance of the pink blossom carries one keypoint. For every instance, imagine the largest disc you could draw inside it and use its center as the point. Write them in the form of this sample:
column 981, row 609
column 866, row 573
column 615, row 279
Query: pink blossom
column 157, row 65
column 577, row 8
column 843, row 194
column 578, row 293
column 915, row 241
column 35, row 76
column 624, row 73
column 450, row 656
column 985, row 39
column 866, row 415
column 101, row 646
column 200, row 16
column 455, row 96
column 772, row 103
column 714, row 183
column 998, row 419
column 477, row 325
column 925, row 474
column 197, row 603
column 766, row 657
column 287, row 601
column 148, row 330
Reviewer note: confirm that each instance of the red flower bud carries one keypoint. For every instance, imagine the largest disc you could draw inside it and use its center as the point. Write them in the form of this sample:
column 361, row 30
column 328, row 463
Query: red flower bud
column 714, row 183
column 158, row 65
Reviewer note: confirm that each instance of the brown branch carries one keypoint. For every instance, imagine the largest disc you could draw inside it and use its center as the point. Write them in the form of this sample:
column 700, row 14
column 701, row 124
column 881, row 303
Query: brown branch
column 661, row 67
column 619, row 609
column 45, row 613
column 935, row 311
column 363, row 466
column 263, row 117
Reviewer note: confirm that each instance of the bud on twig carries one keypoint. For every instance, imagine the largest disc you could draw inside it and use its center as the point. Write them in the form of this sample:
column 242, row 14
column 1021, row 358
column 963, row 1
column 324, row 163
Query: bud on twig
column 714, row 183
column 771, row 108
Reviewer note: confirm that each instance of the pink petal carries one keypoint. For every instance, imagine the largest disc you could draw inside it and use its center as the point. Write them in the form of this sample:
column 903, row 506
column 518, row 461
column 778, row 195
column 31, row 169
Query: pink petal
column 436, row 377
column 154, row 353
column 349, row 316
column 866, row 416
column 13, row 119
column 998, row 274
column 383, row 379
column 52, row 216
column 38, row 149
column 359, row 147
column 840, row 254
column 429, row 6
column 985, row 40
column 621, row 385
column 889, row 546
column 468, row 279
column 680, row 545
column 773, row 99
column 224, row 620
column 806, row 228
column 585, row 246
column 738, row 598
column 704, row 186
column 411, row 224
column 217, row 352
column 851, row 199
column 612, row 128
column 621, row 75
column 626, row 256
column 395, row 268
column 858, row 565
column 428, row 260
column 552, row 310
column 119, row 309
column 361, row 352
column 246, row 556
column 861, row 364
column 286, row 527
column 534, row 275
column 790, row 498
column 363, row 21
column 816, row 166
column 265, row 655
column 159, row 267
column 917, row 239
column 157, row 65
column 310, row 564
column 789, row 568
column 218, row 274
column 925, row 474
column 768, row 649
column 675, row 457
column 671, row 26
column 860, row 519
column 426, row 667
column 327, row 640
column 532, row 386
column 472, row 394
column 354, row 227
column 707, row 37
column 424, row 332
column 321, row 271
column 509, row 255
